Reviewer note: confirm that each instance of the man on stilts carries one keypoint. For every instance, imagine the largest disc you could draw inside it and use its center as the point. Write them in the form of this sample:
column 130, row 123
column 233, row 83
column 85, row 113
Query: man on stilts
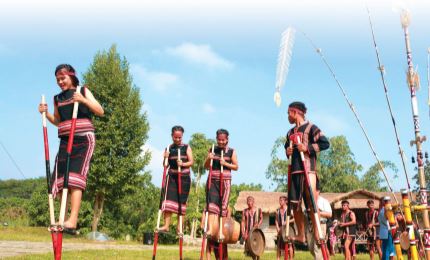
column 307, row 140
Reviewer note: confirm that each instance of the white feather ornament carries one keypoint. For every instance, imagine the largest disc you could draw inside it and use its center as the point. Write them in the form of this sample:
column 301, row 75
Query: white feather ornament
column 284, row 58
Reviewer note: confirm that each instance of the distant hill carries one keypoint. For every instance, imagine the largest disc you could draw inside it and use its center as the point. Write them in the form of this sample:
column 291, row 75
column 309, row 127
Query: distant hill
column 20, row 188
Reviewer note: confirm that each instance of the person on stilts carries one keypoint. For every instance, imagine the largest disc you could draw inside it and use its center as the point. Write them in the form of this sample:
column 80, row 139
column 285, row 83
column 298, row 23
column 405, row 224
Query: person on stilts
column 175, row 201
column 311, row 142
column 226, row 157
column 83, row 139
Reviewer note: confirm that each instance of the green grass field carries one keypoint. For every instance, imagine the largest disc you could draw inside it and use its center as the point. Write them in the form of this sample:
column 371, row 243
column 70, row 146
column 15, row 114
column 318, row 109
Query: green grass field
column 38, row 234
column 41, row 234
column 169, row 254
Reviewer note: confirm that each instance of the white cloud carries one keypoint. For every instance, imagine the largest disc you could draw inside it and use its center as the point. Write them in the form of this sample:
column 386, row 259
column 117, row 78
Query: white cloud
column 160, row 81
column 208, row 108
column 200, row 54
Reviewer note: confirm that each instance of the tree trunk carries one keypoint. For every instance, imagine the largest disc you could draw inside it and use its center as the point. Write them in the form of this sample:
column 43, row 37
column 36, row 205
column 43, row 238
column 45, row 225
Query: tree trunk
column 98, row 210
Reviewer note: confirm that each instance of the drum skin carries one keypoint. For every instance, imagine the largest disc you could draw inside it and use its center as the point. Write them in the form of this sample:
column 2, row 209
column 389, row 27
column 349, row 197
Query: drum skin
column 404, row 240
column 338, row 230
column 256, row 242
column 231, row 230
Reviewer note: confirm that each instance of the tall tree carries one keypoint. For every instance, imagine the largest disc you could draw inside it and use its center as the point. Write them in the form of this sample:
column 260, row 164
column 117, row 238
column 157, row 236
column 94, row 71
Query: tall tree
column 200, row 146
column 120, row 134
column 372, row 179
column 277, row 170
column 337, row 169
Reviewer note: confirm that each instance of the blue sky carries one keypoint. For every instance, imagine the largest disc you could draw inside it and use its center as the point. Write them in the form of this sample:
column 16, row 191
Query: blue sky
column 212, row 64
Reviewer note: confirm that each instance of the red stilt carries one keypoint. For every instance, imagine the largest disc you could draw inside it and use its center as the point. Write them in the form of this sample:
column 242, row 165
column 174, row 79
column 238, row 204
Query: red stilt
column 296, row 138
column 286, row 251
column 59, row 246
column 181, row 235
column 221, row 184
column 163, row 191
column 66, row 176
column 52, row 228
column 205, row 228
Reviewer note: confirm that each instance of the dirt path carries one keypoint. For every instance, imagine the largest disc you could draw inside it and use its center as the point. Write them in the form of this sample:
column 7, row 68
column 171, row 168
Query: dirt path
column 16, row 248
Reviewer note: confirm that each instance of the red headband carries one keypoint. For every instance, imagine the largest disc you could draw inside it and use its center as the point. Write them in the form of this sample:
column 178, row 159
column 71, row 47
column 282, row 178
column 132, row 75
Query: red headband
column 65, row 72
column 296, row 110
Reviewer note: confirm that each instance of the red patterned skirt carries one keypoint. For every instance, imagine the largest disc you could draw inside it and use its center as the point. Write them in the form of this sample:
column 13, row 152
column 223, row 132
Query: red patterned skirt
column 82, row 151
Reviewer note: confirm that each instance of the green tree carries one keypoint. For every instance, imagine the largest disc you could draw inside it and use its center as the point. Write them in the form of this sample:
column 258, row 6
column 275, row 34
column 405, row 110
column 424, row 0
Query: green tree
column 337, row 168
column 120, row 134
column 372, row 180
column 277, row 170
column 20, row 188
column 426, row 175
column 200, row 146
column 234, row 193
column 133, row 213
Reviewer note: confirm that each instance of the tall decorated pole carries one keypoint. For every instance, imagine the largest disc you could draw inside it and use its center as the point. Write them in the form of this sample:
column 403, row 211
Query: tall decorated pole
column 428, row 78
column 414, row 83
column 381, row 69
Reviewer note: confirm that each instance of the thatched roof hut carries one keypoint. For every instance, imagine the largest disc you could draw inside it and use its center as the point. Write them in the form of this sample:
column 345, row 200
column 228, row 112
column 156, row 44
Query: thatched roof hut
column 267, row 201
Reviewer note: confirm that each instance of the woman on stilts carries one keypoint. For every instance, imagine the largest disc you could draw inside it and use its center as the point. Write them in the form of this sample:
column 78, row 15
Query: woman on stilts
column 177, row 203
column 226, row 157
column 84, row 138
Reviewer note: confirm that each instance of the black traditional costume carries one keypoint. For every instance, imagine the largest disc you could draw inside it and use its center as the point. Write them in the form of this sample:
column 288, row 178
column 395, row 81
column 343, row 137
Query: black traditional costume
column 83, row 143
column 315, row 141
column 171, row 204
column 214, row 194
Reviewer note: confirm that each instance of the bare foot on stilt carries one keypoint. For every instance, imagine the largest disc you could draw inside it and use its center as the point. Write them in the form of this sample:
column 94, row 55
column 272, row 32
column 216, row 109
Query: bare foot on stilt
column 298, row 240
column 163, row 229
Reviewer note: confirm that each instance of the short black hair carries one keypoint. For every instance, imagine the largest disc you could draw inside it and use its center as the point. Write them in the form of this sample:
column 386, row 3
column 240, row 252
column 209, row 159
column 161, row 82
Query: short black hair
column 370, row 202
column 298, row 105
column 345, row 202
column 177, row 128
column 68, row 68
column 222, row 131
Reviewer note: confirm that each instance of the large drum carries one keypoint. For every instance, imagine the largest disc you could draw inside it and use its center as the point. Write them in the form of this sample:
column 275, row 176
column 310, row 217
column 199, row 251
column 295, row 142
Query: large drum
column 255, row 243
column 231, row 230
column 338, row 230
column 404, row 240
